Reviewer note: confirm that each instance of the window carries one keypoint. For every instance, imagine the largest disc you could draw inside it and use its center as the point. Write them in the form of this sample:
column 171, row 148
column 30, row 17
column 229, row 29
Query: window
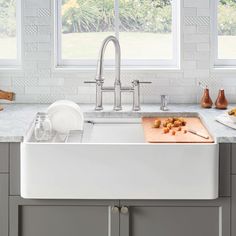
column 9, row 32
column 147, row 30
column 225, row 33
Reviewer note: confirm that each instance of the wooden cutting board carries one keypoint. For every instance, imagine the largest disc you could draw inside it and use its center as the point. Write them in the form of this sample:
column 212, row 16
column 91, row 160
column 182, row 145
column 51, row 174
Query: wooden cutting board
column 156, row 135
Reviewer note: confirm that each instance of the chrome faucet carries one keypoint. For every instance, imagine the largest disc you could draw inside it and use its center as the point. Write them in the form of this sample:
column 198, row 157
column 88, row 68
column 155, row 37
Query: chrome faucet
column 117, row 89
column 100, row 79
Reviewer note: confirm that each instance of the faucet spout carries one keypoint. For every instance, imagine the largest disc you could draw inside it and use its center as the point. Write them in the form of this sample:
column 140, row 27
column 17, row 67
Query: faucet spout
column 100, row 67
column 100, row 64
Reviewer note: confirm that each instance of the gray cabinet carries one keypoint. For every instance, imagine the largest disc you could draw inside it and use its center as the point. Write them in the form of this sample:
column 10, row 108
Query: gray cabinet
column 176, row 218
column 62, row 218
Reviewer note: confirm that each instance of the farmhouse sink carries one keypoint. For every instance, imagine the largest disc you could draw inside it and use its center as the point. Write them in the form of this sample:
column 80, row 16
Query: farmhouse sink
column 113, row 161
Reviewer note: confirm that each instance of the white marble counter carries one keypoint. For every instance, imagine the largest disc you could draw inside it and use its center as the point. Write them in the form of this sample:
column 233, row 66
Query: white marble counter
column 15, row 119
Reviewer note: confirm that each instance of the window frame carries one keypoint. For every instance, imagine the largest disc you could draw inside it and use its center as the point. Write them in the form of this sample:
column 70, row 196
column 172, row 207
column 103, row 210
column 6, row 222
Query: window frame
column 218, row 63
column 88, row 64
column 5, row 63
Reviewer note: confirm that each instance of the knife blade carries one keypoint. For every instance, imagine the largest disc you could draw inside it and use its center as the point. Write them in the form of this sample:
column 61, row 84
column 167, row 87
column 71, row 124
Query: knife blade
column 198, row 133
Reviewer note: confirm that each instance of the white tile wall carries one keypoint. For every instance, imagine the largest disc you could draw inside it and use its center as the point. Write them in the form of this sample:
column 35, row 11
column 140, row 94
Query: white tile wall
column 39, row 82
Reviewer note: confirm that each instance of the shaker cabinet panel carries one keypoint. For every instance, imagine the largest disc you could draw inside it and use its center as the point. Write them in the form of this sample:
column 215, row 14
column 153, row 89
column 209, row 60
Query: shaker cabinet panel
column 63, row 220
column 60, row 218
column 234, row 159
column 174, row 219
column 4, row 204
column 15, row 169
column 225, row 170
column 4, row 157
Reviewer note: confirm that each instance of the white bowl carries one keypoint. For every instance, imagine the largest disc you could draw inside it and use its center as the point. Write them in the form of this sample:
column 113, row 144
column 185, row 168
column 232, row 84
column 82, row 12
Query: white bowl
column 65, row 115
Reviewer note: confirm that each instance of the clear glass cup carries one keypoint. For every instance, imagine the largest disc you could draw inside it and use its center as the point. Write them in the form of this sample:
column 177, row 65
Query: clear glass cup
column 43, row 127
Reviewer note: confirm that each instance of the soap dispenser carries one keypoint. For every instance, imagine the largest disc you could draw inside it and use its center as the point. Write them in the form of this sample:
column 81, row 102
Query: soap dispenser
column 206, row 101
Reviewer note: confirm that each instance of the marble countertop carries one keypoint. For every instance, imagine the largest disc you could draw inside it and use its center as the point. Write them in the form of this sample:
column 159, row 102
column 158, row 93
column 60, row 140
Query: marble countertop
column 16, row 119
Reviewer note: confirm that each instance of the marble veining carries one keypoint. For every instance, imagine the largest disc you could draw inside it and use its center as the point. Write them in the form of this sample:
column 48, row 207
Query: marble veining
column 16, row 119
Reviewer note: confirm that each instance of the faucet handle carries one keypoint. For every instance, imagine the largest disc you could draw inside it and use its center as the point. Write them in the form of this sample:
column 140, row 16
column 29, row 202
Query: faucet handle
column 90, row 82
column 137, row 82
column 145, row 82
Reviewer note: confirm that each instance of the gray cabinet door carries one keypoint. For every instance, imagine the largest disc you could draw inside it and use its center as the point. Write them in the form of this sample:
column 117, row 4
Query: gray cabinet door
column 62, row 218
column 4, row 157
column 176, row 218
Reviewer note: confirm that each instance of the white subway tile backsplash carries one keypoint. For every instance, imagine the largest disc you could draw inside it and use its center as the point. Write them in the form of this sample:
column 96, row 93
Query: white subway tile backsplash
column 63, row 90
column 44, row 29
column 189, row 11
column 5, row 81
column 86, row 90
column 203, row 12
column 196, row 38
column 190, row 29
column 31, row 29
column 31, row 47
column 44, row 12
column 197, row 3
column 197, row 20
column 44, row 47
column 189, row 65
column 203, row 47
column 37, row 90
column 203, row 64
column 30, row 11
column 51, row 82
column 188, row 55
column 203, row 29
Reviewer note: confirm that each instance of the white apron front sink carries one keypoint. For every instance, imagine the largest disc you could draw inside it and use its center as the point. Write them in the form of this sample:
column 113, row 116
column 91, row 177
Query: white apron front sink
column 114, row 162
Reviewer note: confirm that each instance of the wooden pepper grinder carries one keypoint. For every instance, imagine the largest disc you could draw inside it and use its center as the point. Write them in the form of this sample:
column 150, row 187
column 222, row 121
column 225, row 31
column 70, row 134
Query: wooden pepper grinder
column 7, row 96
column 206, row 101
column 221, row 101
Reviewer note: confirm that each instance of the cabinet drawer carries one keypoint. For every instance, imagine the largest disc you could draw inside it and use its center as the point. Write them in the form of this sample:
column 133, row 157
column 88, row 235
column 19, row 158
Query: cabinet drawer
column 4, row 155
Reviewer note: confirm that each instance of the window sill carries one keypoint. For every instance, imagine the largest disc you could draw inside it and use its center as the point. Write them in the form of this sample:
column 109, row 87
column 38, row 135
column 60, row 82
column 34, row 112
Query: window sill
column 10, row 69
column 72, row 69
column 224, row 70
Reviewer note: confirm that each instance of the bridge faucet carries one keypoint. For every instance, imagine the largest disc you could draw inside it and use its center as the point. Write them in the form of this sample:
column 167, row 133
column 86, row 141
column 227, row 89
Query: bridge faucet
column 99, row 80
column 117, row 89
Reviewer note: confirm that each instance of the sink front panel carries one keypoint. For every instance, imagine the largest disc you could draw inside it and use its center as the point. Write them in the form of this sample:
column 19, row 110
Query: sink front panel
column 119, row 171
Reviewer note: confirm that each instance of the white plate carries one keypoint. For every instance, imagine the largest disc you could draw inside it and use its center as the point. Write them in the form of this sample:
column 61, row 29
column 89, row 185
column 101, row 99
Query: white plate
column 65, row 115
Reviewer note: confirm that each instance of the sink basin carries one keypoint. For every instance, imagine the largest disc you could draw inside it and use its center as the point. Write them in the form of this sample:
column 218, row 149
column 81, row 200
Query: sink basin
column 113, row 162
